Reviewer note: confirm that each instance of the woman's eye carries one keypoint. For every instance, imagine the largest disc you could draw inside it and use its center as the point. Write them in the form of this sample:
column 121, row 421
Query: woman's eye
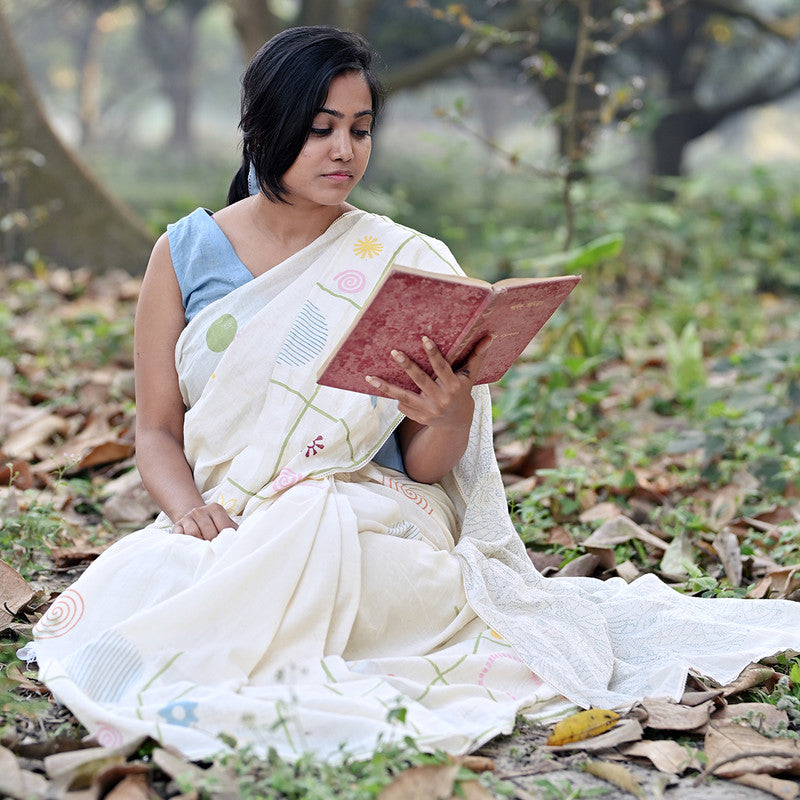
column 320, row 131
column 362, row 134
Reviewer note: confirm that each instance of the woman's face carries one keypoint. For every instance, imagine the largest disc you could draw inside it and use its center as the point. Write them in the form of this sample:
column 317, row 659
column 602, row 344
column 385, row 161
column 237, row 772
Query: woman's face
column 336, row 153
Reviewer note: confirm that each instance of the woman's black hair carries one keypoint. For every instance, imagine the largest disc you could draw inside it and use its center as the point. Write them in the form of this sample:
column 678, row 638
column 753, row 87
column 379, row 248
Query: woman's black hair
column 283, row 88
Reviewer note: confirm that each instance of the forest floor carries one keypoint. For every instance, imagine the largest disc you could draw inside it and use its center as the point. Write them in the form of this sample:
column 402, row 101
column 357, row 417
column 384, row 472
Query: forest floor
column 673, row 456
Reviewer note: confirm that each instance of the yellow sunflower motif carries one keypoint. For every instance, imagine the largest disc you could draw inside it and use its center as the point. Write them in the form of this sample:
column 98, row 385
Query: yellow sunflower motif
column 367, row 247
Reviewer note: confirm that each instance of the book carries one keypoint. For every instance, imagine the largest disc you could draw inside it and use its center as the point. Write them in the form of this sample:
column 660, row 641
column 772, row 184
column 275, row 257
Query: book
column 455, row 311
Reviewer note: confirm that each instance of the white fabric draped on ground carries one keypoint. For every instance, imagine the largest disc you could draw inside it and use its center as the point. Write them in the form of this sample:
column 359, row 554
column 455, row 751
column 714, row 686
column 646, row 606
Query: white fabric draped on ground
column 349, row 592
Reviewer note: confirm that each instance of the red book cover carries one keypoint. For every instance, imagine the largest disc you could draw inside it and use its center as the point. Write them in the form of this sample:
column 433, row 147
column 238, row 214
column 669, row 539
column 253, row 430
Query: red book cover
column 454, row 311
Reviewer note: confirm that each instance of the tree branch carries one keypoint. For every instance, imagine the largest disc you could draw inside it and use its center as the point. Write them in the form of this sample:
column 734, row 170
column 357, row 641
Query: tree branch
column 787, row 28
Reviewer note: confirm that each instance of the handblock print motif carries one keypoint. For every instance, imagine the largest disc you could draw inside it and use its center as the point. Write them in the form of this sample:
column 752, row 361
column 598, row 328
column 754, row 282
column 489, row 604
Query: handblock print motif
column 107, row 667
column 367, row 247
column 306, row 337
column 408, row 492
column 61, row 617
column 350, row 281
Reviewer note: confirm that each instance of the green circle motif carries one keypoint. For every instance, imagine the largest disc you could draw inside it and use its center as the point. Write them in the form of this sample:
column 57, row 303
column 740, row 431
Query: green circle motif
column 221, row 332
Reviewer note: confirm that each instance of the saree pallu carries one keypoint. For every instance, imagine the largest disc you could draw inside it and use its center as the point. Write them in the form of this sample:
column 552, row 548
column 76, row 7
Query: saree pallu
column 352, row 605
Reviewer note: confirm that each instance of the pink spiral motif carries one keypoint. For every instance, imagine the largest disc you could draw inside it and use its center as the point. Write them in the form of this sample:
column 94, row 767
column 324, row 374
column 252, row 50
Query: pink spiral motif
column 350, row 281
column 61, row 617
column 107, row 736
column 285, row 479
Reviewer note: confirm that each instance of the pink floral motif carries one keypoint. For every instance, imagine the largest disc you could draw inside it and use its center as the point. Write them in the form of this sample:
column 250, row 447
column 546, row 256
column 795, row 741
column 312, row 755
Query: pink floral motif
column 350, row 281
column 315, row 446
column 285, row 479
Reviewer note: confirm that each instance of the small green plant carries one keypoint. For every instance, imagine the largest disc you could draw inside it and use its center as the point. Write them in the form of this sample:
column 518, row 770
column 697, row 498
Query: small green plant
column 564, row 790
column 785, row 696
column 29, row 524
column 686, row 369
column 246, row 775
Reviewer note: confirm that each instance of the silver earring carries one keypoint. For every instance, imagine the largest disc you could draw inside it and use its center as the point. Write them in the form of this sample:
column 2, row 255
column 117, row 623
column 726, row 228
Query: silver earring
column 252, row 180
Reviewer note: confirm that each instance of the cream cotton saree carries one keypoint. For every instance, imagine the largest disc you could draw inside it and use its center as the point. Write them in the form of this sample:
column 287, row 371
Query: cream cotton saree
column 352, row 605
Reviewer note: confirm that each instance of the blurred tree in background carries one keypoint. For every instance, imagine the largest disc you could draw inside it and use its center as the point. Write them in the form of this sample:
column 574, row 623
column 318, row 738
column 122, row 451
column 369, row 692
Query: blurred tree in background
column 671, row 70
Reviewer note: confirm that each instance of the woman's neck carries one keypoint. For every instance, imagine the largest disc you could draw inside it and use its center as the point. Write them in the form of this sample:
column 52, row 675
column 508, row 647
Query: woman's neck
column 288, row 224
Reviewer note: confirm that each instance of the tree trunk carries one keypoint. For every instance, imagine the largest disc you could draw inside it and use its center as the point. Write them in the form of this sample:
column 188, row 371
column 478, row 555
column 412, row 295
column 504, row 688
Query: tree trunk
column 67, row 215
column 254, row 24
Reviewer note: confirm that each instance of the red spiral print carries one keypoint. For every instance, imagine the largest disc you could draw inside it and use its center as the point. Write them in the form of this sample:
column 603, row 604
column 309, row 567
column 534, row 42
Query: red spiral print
column 350, row 281
column 61, row 617
column 408, row 492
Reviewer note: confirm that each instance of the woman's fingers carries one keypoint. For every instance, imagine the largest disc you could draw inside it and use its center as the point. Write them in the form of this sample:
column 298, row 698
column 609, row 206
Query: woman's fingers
column 204, row 522
column 474, row 363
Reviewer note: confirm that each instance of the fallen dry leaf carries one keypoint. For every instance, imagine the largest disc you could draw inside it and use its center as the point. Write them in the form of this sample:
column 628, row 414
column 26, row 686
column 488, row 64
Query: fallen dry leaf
column 602, row 511
column 14, row 673
column 628, row 571
column 734, row 749
column 15, row 473
column 135, row 786
column 617, row 774
column 725, row 506
column 664, row 714
column 19, row 783
column 729, row 551
column 761, row 716
column 626, row 730
column 666, row 755
column 15, row 593
column 696, row 697
column 37, row 429
column 751, row 676
column 584, row 566
column 582, row 725
column 786, row 790
column 71, row 556
column 777, row 583
column 433, row 783
column 619, row 530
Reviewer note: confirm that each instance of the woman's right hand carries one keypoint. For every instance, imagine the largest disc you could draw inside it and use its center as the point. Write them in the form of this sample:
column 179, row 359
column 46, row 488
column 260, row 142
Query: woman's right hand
column 204, row 522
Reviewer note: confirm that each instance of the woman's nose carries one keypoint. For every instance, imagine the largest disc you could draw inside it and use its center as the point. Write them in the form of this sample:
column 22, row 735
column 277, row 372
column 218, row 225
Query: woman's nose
column 342, row 147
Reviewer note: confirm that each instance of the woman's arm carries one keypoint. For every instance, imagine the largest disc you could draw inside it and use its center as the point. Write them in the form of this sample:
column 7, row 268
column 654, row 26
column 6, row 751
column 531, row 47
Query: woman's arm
column 434, row 435
column 159, row 406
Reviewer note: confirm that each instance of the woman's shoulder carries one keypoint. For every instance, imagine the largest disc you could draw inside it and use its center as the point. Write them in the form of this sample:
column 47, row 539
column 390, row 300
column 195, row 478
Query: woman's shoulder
column 200, row 217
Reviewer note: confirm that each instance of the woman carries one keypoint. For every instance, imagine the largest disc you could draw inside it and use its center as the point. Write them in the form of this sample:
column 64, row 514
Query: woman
column 327, row 558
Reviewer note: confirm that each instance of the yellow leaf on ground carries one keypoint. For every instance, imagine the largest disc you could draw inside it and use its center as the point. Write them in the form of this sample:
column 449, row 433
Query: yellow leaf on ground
column 582, row 725
column 616, row 774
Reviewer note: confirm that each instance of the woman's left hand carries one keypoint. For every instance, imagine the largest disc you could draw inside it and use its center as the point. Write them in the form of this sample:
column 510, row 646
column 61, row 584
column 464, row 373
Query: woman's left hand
column 445, row 400
column 434, row 435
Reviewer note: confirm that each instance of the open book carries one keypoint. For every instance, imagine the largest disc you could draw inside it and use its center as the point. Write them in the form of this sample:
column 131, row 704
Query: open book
column 454, row 311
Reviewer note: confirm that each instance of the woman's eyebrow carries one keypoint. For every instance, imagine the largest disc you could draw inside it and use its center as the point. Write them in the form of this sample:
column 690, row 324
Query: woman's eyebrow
column 338, row 114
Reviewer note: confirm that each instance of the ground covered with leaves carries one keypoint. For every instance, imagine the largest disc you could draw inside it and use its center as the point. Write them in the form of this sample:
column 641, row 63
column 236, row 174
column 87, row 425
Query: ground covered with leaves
column 653, row 427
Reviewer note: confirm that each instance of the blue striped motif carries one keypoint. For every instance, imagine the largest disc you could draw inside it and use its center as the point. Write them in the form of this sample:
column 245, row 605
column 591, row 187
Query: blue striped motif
column 306, row 338
column 105, row 668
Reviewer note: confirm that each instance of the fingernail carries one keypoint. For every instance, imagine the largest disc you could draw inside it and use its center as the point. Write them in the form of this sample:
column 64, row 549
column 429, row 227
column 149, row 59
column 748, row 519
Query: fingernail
column 427, row 343
column 373, row 381
column 398, row 356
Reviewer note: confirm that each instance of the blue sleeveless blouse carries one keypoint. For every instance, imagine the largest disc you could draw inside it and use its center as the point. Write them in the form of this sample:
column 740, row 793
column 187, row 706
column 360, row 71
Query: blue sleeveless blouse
column 207, row 268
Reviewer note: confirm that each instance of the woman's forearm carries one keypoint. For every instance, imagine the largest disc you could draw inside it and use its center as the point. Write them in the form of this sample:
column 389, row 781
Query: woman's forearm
column 165, row 473
column 429, row 453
